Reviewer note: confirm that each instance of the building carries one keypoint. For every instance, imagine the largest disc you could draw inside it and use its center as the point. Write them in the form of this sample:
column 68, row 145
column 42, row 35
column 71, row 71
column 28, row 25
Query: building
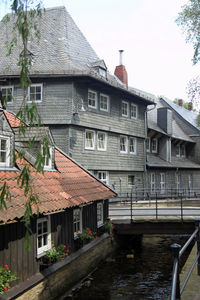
column 94, row 116
column 173, row 165
column 70, row 200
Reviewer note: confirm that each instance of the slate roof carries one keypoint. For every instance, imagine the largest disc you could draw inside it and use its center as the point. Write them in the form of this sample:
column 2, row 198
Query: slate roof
column 177, row 131
column 189, row 116
column 61, row 51
column 67, row 186
column 176, row 162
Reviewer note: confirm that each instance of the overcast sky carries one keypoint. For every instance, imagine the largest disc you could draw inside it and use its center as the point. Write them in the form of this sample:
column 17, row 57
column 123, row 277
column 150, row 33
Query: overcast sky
column 156, row 56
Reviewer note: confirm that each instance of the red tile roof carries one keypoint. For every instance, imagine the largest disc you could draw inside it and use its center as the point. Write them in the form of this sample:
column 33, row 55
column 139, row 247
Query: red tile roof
column 14, row 122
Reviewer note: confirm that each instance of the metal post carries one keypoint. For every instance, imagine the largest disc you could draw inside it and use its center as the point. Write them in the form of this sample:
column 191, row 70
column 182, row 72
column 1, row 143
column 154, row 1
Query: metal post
column 156, row 207
column 197, row 223
column 175, row 293
column 131, row 207
column 181, row 207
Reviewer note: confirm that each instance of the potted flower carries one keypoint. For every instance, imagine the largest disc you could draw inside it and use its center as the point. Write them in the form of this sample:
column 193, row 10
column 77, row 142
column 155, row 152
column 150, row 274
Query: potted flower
column 54, row 255
column 108, row 225
column 5, row 278
column 87, row 235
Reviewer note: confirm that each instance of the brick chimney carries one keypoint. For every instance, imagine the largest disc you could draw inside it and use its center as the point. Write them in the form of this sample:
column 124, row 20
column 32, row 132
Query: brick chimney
column 120, row 71
column 180, row 102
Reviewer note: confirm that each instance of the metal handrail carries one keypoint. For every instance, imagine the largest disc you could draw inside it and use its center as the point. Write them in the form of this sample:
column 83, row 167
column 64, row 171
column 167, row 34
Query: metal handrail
column 176, row 291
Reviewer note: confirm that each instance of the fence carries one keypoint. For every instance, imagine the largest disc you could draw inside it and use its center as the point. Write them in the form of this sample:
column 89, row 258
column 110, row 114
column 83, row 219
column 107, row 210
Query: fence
column 176, row 290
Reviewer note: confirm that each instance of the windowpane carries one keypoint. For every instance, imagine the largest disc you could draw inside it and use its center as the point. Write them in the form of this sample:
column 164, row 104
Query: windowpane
column 39, row 228
column 92, row 96
column 123, row 144
column 101, row 140
column 148, row 144
column 43, row 235
column 104, row 102
column 103, row 176
column 3, row 151
column 133, row 111
column 2, row 157
column 99, row 214
column 132, row 145
column 131, row 180
column 154, row 145
column 44, row 239
column 7, row 93
column 3, row 144
column 89, row 140
column 45, row 227
column 124, row 108
column 35, row 93
column 39, row 242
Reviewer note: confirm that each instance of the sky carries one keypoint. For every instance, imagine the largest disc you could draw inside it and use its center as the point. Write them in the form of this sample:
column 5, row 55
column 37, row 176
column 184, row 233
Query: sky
column 156, row 56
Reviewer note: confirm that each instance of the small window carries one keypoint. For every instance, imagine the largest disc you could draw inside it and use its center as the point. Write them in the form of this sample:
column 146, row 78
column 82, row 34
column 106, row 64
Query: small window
column 178, row 181
column 102, row 72
column 92, row 99
column 7, row 93
column 89, row 140
column 43, row 235
column 133, row 111
column 4, row 151
column 48, row 158
column 148, row 144
column 123, row 144
column 132, row 145
column 153, row 182
column 182, row 150
column 124, row 109
column 103, row 176
column 154, row 145
column 104, row 102
column 101, row 141
column 131, row 181
column 177, row 150
column 162, row 183
column 99, row 214
column 77, row 221
column 190, row 182
column 35, row 93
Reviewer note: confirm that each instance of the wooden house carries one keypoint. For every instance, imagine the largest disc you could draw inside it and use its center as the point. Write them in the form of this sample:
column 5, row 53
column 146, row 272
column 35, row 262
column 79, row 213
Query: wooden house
column 94, row 117
column 70, row 199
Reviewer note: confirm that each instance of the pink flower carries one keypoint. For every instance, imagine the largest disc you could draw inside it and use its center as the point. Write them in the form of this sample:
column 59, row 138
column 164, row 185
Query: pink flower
column 5, row 288
column 6, row 266
column 63, row 258
column 68, row 250
column 95, row 238
column 90, row 232
column 64, row 247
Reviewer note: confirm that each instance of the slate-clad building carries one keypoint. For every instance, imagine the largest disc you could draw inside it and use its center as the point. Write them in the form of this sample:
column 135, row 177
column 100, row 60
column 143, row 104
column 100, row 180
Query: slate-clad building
column 93, row 116
column 173, row 166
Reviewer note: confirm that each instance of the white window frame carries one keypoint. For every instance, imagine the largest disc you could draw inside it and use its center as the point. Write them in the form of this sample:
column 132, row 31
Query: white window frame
column 95, row 99
column 127, row 105
column 50, row 159
column 7, row 151
column 104, row 179
column 41, row 92
column 7, row 87
column 102, row 72
column 93, row 140
column 162, row 183
column 99, row 213
column 136, row 111
column 156, row 144
column 134, row 145
column 153, row 182
column 108, row 102
column 177, row 151
column 126, row 144
column 148, row 149
column 98, row 141
column 77, row 223
column 190, row 181
column 41, row 250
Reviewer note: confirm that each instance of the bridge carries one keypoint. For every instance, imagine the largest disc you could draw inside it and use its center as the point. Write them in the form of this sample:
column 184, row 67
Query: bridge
column 159, row 214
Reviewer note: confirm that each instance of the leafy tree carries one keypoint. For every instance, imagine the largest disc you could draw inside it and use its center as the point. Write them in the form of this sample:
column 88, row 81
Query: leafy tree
column 25, row 28
column 189, row 20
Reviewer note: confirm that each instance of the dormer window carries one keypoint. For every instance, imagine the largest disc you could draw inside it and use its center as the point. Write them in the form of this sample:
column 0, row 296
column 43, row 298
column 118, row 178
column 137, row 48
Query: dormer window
column 7, row 93
column 102, row 72
column 35, row 92
column 48, row 158
column 4, row 151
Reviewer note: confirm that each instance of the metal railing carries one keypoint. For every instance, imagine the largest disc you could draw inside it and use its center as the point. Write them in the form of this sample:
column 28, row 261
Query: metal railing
column 176, row 290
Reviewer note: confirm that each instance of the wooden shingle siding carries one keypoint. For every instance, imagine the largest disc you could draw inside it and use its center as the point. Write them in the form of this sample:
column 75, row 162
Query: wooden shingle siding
column 61, row 136
column 119, row 181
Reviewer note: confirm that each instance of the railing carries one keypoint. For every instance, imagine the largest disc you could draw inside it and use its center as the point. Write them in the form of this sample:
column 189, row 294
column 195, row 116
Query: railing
column 180, row 204
column 176, row 290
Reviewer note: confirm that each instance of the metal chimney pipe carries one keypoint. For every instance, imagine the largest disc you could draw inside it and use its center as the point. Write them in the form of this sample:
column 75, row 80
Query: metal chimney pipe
column 120, row 56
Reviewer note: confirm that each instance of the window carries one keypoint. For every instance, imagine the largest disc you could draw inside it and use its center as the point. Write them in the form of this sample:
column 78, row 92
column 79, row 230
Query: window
column 89, row 139
column 177, row 150
column 48, row 158
column 162, row 183
column 131, row 180
column 77, row 221
column 103, row 176
column 35, row 93
column 190, row 182
column 7, row 93
column 104, row 102
column 101, row 141
column 99, row 214
column 102, row 72
column 182, row 150
column 178, row 181
column 154, row 145
column 153, row 182
column 43, row 235
column 132, row 145
column 124, row 109
column 4, row 151
column 148, row 144
column 123, row 144
column 133, row 111
column 92, row 99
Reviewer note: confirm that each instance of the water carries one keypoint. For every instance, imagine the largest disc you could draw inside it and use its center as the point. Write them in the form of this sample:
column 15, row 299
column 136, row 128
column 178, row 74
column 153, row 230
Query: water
column 146, row 276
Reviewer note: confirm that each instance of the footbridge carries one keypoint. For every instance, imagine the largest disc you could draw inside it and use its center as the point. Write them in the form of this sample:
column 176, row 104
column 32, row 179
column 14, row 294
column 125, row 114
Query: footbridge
column 155, row 215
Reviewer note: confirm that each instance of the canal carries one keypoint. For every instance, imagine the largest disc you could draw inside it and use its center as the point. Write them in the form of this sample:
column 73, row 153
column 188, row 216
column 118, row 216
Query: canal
column 136, row 271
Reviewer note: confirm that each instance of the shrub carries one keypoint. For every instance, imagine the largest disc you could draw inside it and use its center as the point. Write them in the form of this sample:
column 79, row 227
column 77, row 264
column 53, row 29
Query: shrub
column 57, row 253
column 5, row 278
column 87, row 234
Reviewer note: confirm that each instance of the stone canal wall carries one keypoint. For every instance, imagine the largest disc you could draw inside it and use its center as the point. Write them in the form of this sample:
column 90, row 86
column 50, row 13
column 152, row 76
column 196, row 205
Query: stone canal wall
column 60, row 277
